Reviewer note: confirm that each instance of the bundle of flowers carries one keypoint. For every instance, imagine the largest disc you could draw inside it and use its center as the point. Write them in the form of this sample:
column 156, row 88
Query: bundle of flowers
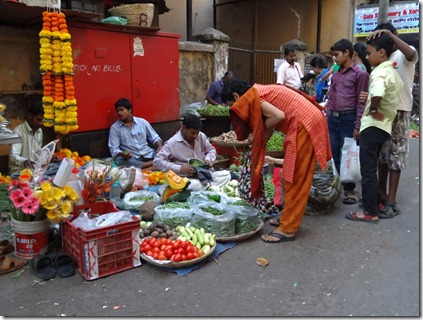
column 74, row 155
column 98, row 182
column 30, row 201
column 56, row 66
column 154, row 177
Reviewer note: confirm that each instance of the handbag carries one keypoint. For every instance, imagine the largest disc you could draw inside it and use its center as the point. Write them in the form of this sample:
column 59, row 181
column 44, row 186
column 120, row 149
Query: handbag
column 350, row 161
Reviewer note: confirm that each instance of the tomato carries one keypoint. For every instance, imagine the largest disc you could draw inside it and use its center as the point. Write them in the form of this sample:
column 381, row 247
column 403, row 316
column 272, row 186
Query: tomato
column 156, row 249
column 176, row 244
column 181, row 251
column 168, row 246
column 163, row 247
column 190, row 256
column 168, row 253
column 156, row 244
column 195, row 254
column 163, row 241
column 190, row 249
column 185, row 244
column 177, row 258
column 155, row 256
column 149, row 253
column 183, row 257
column 168, row 242
column 148, row 247
column 162, row 256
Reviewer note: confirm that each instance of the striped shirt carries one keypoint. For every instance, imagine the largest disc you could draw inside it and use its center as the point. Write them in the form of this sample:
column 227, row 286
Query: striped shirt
column 297, row 109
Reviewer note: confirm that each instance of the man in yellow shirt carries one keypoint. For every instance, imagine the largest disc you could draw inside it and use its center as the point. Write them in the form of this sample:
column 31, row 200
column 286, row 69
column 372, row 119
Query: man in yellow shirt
column 376, row 123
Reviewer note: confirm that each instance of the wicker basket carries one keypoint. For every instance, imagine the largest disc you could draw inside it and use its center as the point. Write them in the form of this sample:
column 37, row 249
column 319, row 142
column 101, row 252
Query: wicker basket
column 138, row 14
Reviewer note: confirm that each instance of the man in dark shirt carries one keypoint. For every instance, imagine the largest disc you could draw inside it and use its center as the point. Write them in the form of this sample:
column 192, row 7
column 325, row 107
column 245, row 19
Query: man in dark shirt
column 215, row 90
column 343, row 109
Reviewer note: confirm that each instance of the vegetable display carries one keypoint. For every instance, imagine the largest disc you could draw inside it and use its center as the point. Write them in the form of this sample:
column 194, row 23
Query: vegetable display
column 275, row 143
column 173, row 214
column 166, row 249
column 157, row 230
column 228, row 137
column 213, row 110
column 198, row 237
column 175, row 181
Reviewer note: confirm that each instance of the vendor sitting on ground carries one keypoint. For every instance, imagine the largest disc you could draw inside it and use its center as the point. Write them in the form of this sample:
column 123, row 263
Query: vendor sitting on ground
column 22, row 154
column 188, row 143
column 130, row 138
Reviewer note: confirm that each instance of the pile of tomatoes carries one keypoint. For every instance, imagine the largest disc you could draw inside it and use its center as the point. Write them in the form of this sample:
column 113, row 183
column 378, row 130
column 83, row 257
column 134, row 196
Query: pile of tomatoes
column 166, row 249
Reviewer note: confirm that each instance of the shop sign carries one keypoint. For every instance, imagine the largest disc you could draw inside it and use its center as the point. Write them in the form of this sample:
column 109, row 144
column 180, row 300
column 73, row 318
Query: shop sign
column 403, row 15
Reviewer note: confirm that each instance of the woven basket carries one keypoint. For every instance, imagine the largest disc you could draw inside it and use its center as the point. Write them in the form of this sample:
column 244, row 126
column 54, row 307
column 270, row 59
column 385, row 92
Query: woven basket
column 138, row 14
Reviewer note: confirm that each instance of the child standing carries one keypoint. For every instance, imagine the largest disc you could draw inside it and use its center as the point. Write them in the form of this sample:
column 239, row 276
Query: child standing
column 376, row 124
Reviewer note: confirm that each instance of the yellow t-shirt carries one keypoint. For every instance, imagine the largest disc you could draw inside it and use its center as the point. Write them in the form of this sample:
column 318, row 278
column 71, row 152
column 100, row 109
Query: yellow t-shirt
column 386, row 83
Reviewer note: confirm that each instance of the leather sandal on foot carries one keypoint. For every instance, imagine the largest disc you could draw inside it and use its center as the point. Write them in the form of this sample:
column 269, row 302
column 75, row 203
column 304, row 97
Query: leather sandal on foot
column 367, row 217
column 281, row 237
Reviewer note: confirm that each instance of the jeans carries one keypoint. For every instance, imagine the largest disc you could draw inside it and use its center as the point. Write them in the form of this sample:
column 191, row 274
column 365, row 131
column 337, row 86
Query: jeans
column 339, row 128
column 371, row 141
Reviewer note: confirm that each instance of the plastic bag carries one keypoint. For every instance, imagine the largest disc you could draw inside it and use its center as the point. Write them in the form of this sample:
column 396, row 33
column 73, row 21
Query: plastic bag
column 325, row 190
column 350, row 161
column 173, row 217
column 223, row 225
column 84, row 222
column 43, row 157
column 247, row 217
column 134, row 200
column 115, row 20
column 132, row 179
column 199, row 197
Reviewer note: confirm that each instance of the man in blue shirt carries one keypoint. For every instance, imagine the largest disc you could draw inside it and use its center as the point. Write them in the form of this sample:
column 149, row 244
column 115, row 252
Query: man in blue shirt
column 131, row 138
column 215, row 90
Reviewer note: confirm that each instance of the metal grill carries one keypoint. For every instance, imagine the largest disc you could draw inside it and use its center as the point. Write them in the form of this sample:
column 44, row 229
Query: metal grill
column 254, row 65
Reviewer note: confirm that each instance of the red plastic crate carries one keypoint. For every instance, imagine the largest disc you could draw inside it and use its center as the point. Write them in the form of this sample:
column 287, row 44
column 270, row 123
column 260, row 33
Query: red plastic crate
column 103, row 251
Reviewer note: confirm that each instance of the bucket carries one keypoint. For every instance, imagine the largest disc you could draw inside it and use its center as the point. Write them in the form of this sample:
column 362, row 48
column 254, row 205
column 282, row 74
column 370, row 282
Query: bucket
column 31, row 238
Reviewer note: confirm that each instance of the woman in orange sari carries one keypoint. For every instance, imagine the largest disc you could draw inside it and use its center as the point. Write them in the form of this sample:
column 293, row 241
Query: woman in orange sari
column 260, row 109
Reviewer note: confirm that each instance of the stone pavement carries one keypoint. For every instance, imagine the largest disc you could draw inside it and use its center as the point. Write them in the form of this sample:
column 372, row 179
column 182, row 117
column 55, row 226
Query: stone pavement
column 335, row 267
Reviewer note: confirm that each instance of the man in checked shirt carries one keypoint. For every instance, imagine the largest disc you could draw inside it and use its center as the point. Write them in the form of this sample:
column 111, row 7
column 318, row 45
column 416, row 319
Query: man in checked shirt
column 344, row 110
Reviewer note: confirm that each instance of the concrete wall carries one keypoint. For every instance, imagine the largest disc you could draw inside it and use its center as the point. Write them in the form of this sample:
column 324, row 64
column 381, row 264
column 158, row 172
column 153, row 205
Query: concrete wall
column 196, row 71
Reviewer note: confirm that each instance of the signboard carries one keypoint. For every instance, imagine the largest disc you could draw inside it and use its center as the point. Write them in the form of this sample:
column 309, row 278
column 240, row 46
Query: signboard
column 403, row 15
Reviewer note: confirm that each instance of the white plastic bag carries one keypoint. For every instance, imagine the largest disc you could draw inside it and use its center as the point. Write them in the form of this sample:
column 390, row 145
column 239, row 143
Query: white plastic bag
column 350, row 161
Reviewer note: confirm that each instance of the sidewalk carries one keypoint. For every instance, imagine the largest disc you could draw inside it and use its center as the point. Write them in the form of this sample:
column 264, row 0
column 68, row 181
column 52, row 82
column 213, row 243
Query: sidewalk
column 335, row 267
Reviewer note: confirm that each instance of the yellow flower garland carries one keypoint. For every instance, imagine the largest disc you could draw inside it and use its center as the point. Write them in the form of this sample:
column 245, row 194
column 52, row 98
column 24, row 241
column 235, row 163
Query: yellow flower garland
column 56, row 67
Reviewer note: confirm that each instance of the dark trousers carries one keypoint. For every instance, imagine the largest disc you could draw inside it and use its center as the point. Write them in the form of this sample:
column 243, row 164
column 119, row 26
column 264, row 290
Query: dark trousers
column 371, row 141
column 340, row 127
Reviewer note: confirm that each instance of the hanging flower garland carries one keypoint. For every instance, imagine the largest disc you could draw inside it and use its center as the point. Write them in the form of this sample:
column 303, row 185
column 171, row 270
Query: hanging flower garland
column 56, row 66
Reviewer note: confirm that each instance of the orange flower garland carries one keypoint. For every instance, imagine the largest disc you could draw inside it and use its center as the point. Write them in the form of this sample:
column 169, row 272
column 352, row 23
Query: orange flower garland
column 56, row 66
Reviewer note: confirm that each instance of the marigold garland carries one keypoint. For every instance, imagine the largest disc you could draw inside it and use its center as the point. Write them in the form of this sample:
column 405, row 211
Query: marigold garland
column 56, row 66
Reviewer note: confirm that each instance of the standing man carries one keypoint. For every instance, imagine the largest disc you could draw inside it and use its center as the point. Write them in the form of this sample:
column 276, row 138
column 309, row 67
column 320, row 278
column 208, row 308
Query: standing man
column 344, row 109
column 289, row 72
column 130, row 138
column 394, row 154
column 215, row 90
column 188, row 143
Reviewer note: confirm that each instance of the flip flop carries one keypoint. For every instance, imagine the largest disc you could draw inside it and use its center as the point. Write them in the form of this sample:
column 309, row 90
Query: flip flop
column 350, row 198
column 65, row 265
column 8, row 264
column 275, row 222
column 367, row 217
column 6, row 247
column 43, row 267
column 280, row 236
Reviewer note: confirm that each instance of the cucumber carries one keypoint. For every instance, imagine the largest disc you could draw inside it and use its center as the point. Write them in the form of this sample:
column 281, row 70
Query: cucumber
column 206, row 248
column 194, row 239
column 199, row 236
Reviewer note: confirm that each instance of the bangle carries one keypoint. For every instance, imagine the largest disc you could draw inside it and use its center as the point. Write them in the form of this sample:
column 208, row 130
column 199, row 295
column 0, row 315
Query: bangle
column 373, row 110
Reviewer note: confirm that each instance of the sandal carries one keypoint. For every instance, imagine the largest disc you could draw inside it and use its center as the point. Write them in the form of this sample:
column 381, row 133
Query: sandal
column 8, row 264
column 6, row 247
column 275, row 222
column 389, row 211
column 281, row 237
column 65, row 265
column 349, row 197
column 367, row 217
column 43, row 267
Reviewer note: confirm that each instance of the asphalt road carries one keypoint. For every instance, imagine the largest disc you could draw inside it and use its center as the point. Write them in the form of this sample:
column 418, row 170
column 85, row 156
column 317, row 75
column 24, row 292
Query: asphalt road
column 335, row 267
